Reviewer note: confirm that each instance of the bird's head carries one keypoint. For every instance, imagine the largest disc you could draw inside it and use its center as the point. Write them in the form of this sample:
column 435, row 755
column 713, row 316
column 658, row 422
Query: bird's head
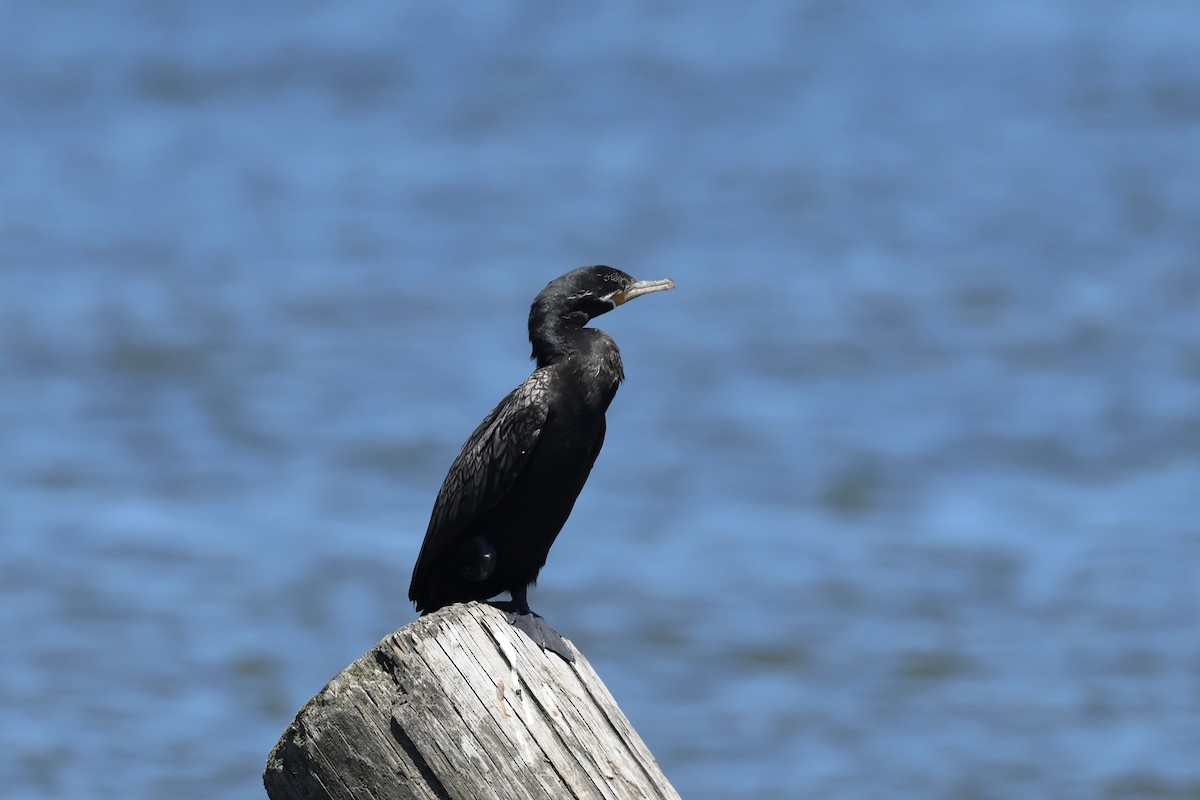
column 586, row 293
column 570, row 301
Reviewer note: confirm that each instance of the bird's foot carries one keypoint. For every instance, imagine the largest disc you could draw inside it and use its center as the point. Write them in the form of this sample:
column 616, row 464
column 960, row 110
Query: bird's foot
column 536, row 628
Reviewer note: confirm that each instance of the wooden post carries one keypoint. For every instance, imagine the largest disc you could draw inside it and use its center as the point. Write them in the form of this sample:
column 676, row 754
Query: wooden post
column 459, row 705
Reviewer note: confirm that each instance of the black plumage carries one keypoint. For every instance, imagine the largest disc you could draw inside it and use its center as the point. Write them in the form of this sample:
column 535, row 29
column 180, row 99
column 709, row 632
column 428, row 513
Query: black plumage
column 513, row 485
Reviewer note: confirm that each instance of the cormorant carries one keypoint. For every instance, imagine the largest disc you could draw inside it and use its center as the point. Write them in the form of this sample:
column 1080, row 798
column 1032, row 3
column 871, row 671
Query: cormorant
column 512, row 487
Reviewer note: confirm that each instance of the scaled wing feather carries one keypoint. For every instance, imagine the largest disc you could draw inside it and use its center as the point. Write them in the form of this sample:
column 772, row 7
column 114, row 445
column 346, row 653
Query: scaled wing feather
column 484, row 471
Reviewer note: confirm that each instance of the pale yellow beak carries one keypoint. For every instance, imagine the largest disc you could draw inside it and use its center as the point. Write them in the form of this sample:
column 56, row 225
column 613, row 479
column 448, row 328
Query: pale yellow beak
column 639, row 288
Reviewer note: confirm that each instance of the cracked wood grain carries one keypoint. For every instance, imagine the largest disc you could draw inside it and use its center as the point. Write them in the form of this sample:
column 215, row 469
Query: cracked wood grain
column 459, row 705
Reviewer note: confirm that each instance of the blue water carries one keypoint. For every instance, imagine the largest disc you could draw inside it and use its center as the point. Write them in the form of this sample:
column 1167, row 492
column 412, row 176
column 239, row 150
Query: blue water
column 900, row 498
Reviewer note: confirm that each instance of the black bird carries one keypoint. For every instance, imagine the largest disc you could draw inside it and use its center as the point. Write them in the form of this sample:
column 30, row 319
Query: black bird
column 513, row 485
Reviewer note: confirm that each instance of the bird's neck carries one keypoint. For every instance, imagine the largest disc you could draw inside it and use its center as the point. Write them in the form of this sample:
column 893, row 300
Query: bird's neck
column 588, row 355
column 555, row 337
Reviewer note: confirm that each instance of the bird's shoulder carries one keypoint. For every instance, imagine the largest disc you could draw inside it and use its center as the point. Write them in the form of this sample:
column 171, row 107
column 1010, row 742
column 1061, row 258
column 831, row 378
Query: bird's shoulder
column 517, row 420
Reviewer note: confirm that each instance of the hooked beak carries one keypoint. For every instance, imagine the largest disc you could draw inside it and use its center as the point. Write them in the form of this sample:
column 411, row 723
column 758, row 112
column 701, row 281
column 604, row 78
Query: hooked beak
column 639, row 288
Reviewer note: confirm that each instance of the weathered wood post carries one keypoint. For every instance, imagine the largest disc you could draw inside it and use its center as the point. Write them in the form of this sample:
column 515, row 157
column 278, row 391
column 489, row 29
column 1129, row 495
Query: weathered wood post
column 459, row 705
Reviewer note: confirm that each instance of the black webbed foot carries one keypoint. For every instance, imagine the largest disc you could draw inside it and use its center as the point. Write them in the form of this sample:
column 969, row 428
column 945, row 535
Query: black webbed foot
column 536, row 628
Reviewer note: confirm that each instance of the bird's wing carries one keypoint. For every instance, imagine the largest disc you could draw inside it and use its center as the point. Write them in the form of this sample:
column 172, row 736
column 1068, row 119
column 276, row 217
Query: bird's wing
column 484, row 471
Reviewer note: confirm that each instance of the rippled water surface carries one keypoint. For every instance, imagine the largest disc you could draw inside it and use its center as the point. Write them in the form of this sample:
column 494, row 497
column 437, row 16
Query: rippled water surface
column 900, row 497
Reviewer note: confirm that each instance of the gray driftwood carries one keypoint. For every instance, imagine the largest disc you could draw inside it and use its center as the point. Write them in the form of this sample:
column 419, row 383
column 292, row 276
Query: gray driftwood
column 459, row 705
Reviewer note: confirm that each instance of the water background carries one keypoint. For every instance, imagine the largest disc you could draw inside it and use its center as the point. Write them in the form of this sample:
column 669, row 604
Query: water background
column 900, row 498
